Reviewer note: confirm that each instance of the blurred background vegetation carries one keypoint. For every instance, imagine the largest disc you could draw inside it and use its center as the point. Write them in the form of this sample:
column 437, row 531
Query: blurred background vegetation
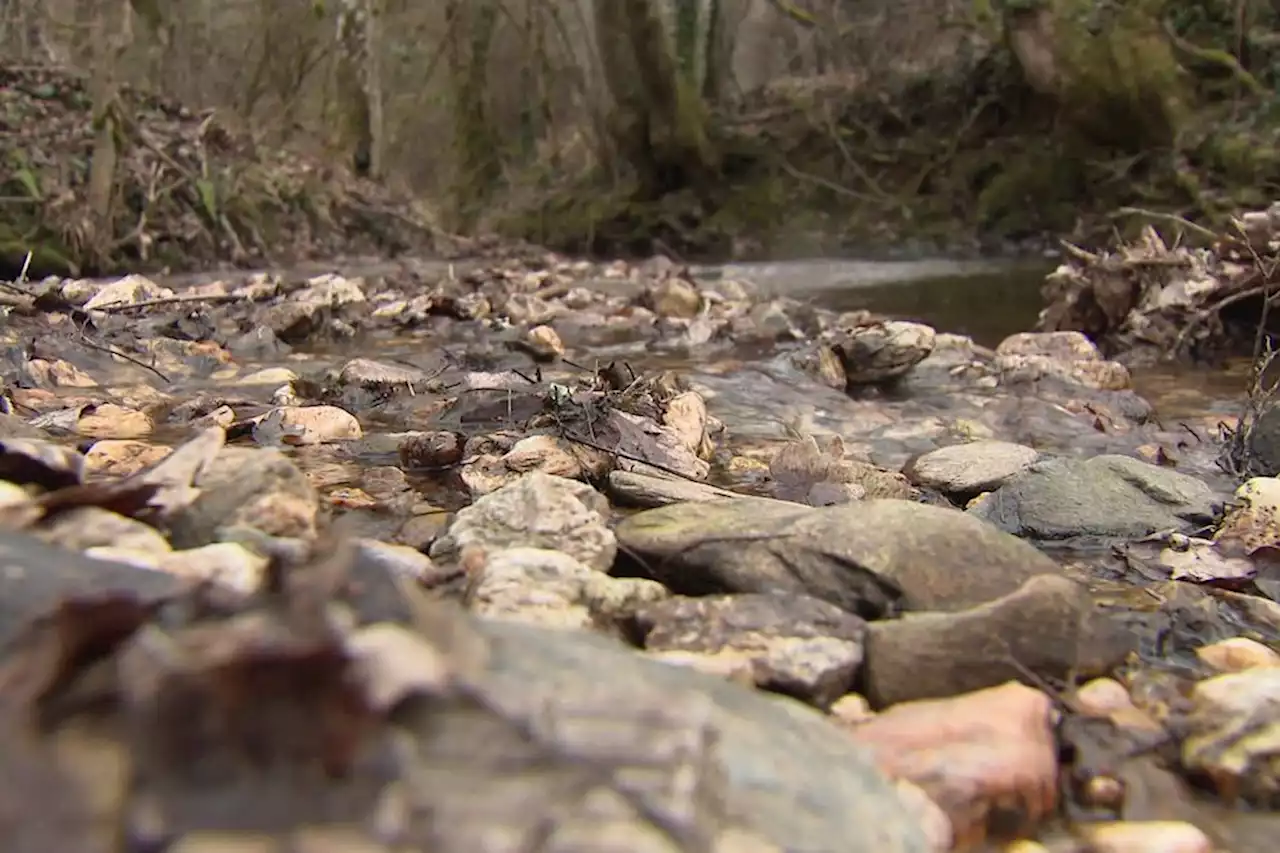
column 707, row 128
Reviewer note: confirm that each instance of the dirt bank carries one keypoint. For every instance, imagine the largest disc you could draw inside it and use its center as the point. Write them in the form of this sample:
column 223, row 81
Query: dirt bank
column 189, row 192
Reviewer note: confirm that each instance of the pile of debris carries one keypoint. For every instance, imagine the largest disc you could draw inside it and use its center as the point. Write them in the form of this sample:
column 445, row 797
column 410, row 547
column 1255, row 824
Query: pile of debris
column 189, row 190
column 1150, row 300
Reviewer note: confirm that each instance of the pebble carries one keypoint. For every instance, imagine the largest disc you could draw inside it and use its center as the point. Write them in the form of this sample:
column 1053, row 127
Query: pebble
column 1236, row 654
column 1146, row 837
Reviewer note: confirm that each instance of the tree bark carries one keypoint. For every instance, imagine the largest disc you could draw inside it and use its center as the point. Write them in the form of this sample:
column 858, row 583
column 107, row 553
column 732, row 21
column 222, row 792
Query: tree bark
column 476, row 140
column 359, row 84
column 659, row 120
column 109, row 34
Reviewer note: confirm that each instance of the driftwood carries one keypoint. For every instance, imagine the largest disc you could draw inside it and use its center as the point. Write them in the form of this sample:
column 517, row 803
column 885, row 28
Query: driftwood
column 1149, row 299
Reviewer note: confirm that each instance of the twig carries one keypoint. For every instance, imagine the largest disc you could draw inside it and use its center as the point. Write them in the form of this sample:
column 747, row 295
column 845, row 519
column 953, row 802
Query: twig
column 586, row 442
column 826, row 184
column 1165, row 217
column 122, row 307
column 1216, row 308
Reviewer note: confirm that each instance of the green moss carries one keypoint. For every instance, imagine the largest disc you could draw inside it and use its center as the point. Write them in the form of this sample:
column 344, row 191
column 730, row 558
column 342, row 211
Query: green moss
column 1242, row 156
column 1124, row 85
column 48, row 255
column 1037, row 190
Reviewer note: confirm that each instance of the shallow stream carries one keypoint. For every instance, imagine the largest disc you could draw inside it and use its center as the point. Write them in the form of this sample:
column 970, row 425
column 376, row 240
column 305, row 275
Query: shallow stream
column 986, row 300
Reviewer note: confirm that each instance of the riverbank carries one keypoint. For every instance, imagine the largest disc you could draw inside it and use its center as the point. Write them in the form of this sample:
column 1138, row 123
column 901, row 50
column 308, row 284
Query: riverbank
column 976, row 153
column 614, row 491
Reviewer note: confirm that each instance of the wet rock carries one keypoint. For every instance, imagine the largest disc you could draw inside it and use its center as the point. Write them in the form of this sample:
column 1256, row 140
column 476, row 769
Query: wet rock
column 1047, row 627
column 773, row 752
column 646, row 491
column 988, row 759
column 293, row 322
column 1106, row 698
column 379, row 375
column 550, row 588
column 40, row 463
column 129, row 290
column 256, row 488
column 806, row 471
column 543, row 344
column 1146, row 837
column 35, row 577
column 1233, row 721
column 258, row 344
column 1253, row 519
column 1106, row 497
column 822, row 362
column 397, row 560
column 871, row 558
column 111, row 421
column 88, row 527
column 431, row 450
column 796, row 645
column 546, row 453
column 965, row 470
column 1237, row 654
column 303, row 425
column 228, row 564
column 674, row 297
column 1069, row 357
column 1263, row 444
column 536, row 511
column 639, row 442
column 878, row 352
column 56, row 374
column 268, row 376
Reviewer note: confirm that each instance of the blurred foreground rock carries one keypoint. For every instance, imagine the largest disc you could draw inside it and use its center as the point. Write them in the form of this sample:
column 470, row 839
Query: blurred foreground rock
column 135, row 714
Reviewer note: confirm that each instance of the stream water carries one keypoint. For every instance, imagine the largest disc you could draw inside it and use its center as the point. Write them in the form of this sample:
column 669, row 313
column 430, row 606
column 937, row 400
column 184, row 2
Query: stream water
column 988, row 301
column 755, row 391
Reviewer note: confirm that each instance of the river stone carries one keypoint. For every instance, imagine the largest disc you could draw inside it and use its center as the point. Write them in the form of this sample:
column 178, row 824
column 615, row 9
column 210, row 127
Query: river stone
column 1231, row 728
column 1106, row 497
column 1064, row 356
column 965, row 470
column 35, row 576
column 536, row 511
column 790, row 775
column 882, row 351
column 580, row 715
column 794, row 644
column 1046, row 627
column 550, row 588
column 649, row 491
column 869, row 558
column 252, row 487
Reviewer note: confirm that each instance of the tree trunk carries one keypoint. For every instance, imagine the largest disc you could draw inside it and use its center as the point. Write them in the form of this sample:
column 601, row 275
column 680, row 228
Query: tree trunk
column 1110, row 69
column 109, row 33
column 477, row 145
column 659, row 120
column 359, row 84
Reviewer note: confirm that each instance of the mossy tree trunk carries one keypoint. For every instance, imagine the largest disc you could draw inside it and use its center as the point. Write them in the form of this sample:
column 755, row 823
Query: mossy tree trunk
column 106, row 28
column 1109, row 67
column 477, row 143
column 659, row 121
column 359, row 83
